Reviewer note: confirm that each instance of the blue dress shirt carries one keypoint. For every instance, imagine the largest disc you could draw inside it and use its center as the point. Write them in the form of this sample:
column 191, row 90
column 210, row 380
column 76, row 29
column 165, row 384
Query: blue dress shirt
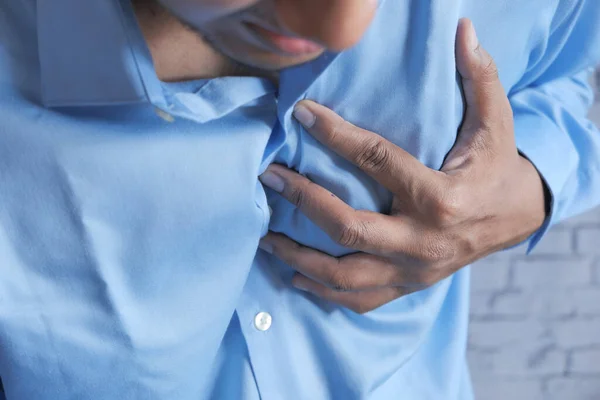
column 131, row 211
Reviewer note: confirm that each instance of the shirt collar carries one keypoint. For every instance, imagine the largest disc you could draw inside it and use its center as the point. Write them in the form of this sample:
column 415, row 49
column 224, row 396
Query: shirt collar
column 93, row 53
column 90, row 53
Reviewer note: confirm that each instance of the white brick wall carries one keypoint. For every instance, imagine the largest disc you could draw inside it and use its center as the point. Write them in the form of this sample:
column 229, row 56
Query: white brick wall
column 535, row 321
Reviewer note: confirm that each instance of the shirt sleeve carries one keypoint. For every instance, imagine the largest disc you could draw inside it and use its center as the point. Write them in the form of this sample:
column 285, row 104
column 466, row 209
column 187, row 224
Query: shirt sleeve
column 551, row 105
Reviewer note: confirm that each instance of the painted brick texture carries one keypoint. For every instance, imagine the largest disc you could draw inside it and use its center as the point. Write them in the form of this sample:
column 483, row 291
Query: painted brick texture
column 535, row 320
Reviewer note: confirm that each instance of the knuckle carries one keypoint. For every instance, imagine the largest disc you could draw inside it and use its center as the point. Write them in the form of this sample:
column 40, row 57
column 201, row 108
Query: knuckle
column 350, row 234
column 470, row 243
column 297, row 196
column 296, row 248
column 376, row 156
column 337, row 128
column 425, row 278
column 340, row 282
column 448, row 207
column 293, row 255
column 490, row 69
column 434, row 253
column 430, row 280
column 400, row 292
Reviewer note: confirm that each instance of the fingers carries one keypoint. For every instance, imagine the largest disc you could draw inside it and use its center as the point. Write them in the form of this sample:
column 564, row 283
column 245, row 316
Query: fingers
column 359, row 230
column 486, row 100
column 487, row 128
column 360, row 302
column 388, row 164
column 360, row 282
column 353, row 273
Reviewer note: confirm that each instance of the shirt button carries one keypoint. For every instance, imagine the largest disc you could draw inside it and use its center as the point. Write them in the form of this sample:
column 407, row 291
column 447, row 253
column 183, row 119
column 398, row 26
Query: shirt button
column 164, row 115
column 263, row 321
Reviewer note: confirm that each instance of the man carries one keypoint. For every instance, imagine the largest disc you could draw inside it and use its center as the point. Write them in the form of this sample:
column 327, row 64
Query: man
column 132, row 210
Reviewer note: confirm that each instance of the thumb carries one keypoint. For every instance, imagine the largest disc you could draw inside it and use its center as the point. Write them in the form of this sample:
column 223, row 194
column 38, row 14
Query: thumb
column 486, row 101
column 487, row 124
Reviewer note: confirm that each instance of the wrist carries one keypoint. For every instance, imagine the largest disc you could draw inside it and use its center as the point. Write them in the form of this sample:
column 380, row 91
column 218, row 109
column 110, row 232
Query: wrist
column 537, row 194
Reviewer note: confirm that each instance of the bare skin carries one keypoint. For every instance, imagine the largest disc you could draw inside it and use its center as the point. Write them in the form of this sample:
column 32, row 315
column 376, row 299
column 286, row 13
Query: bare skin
column 192, row 39
column 179, row 53
column 485, row 198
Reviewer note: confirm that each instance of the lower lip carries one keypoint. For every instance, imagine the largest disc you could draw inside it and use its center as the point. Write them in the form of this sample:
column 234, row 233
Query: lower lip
column 288, row 44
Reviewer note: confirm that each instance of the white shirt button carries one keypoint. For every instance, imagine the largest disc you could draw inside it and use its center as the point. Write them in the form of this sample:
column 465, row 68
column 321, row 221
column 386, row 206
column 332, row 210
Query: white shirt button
column 164, row 115
column 263, row 321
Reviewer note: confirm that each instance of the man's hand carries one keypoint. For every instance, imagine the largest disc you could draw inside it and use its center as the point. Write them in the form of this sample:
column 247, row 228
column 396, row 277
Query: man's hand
column 485, row 198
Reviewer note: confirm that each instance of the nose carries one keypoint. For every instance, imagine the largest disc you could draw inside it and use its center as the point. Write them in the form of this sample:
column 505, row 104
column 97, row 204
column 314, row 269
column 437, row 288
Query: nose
column 336, row 24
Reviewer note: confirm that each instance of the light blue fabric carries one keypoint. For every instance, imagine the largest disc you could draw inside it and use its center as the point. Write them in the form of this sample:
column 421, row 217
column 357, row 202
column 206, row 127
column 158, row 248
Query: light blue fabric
column 128, row 244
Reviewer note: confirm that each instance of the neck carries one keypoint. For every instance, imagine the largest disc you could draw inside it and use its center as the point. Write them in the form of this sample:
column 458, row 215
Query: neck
column 179, row 53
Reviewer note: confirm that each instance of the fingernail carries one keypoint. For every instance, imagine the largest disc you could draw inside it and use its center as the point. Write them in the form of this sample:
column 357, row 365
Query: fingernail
column 270, row 211
column 300, row 286
column 273, row 181
column 472, row 38
column 266, row 246
column 305, row 116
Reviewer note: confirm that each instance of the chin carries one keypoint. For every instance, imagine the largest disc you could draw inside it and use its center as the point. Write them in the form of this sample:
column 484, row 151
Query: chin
column 255, row 57
column 276, row 62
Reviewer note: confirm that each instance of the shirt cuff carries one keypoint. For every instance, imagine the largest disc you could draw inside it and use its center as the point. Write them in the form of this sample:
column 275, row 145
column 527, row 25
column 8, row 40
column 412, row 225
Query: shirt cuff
column 541, row 142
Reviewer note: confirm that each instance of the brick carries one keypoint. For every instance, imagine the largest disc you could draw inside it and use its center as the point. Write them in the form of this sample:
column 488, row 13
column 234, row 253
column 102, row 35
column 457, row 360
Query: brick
column 543, row 304
column 589, row 218
column 513, row 389
column 586, row 362
column 573, row 388
column 527, row 319
column 480, row 364
column 577, row 333
column 515, row 304
column 490, row 275
column 516, row 251
column 586, row 301
column 595, row 113
column 496, row 334
column 480, row 304
column 555, row 242
column 553, row 304
column 523, row 332
column 544, row 273
column 588, row 241
column 529, row 360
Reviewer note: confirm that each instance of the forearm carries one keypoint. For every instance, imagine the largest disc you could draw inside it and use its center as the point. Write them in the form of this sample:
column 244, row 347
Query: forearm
column 552, row 130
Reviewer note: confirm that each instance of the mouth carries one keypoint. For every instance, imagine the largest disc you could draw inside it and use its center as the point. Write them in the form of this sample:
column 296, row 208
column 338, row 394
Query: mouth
column 288, row 45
